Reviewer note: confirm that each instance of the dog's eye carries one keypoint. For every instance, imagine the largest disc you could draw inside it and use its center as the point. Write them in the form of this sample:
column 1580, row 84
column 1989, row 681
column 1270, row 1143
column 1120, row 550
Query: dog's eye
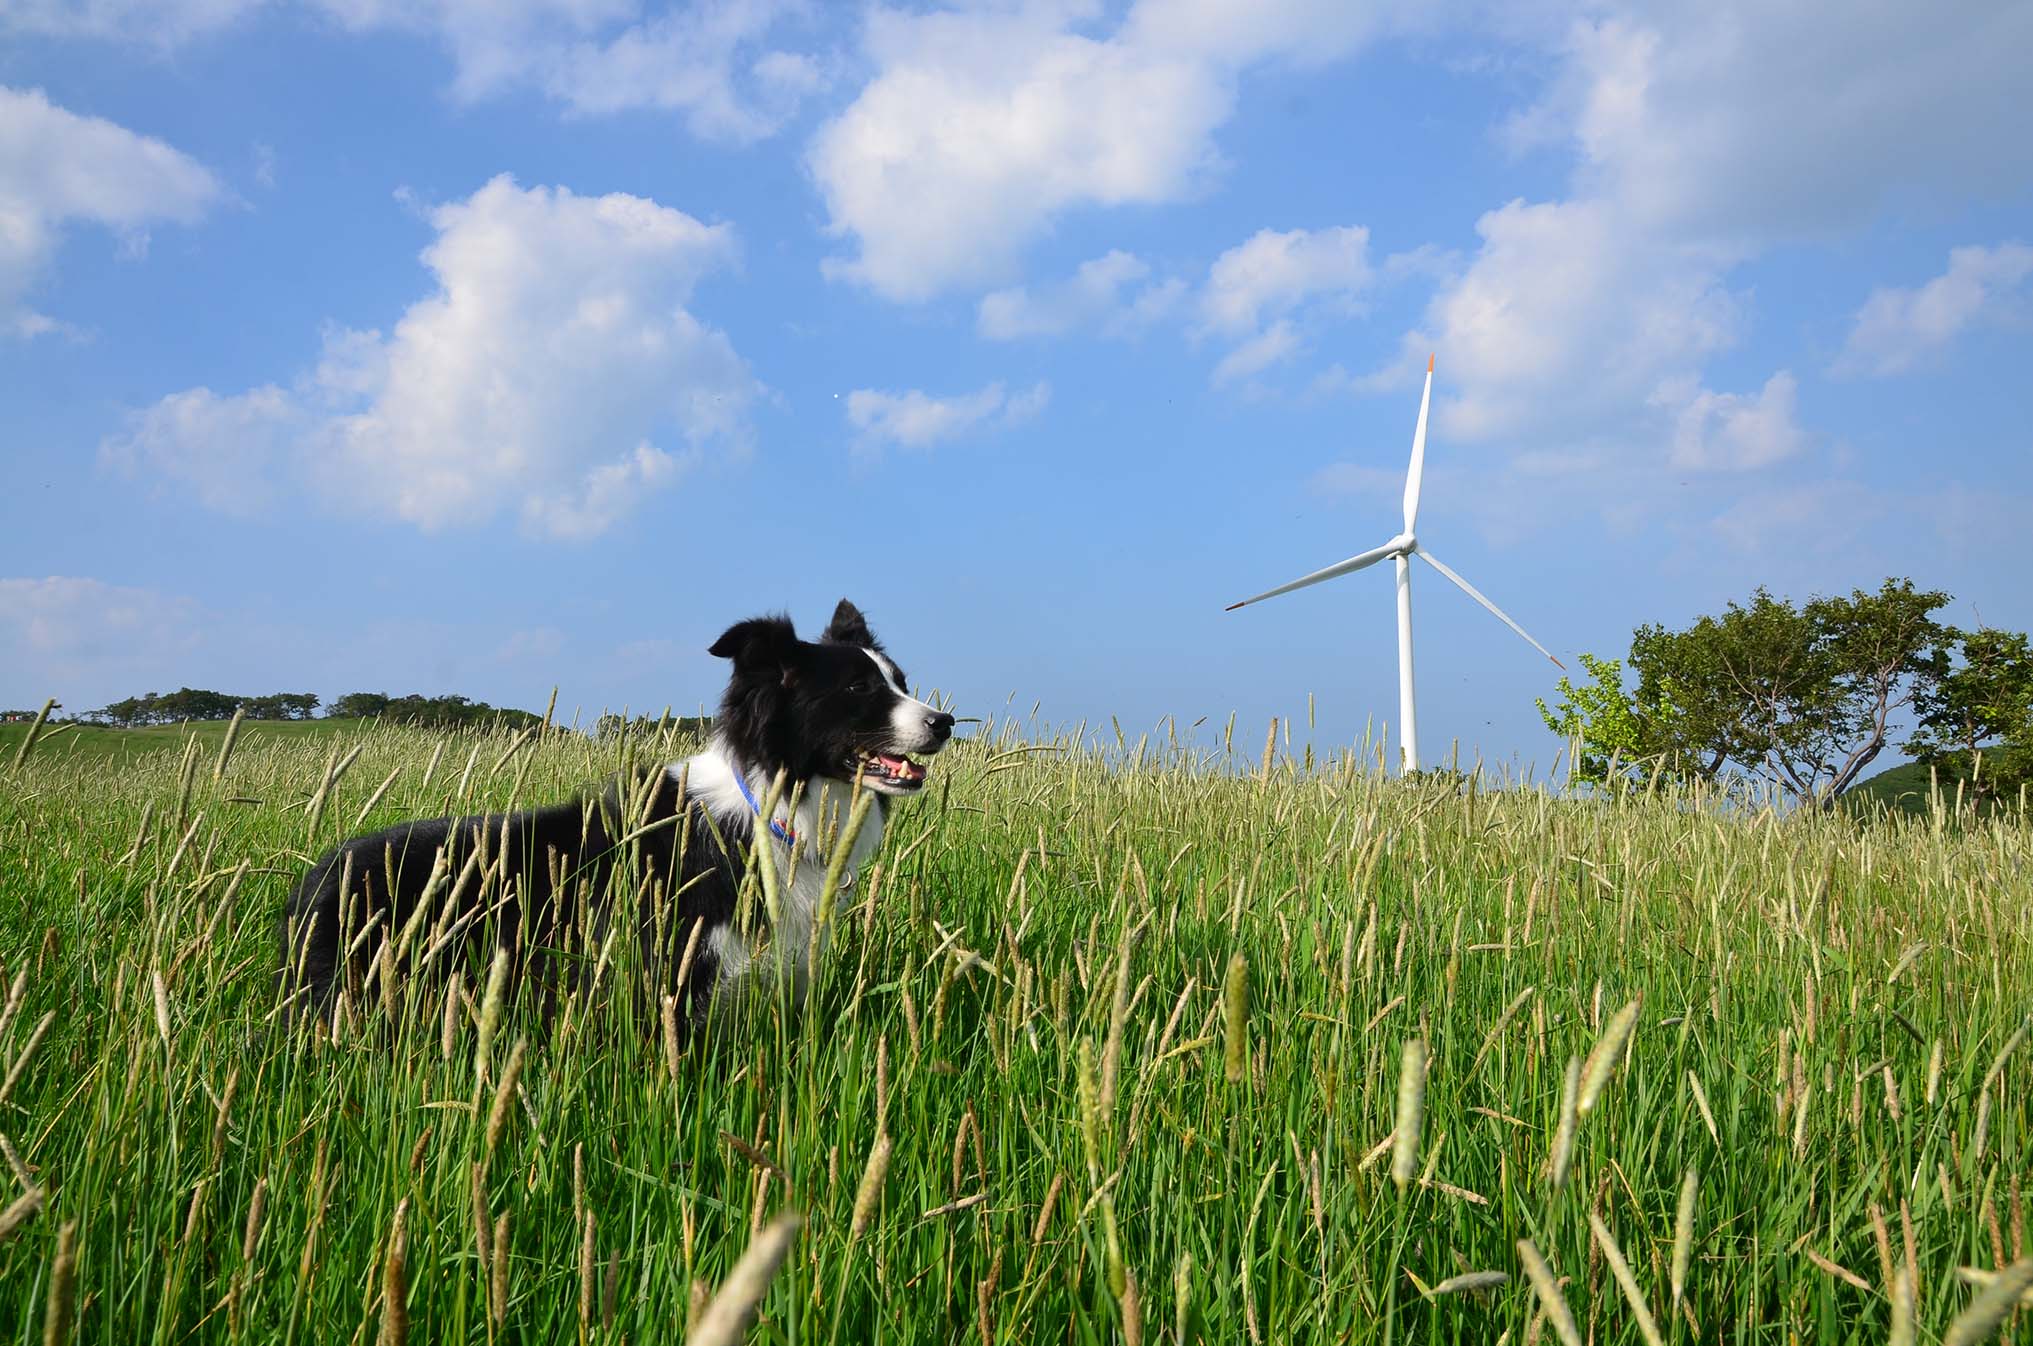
column 860, row 688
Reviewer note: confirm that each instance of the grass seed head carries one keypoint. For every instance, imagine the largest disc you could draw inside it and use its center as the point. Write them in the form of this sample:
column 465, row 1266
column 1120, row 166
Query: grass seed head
column 868, row 1194
column 1410, row 1115
column 1993, row 1304
column 1683, row 1233
column 1235, row 1018
column 1603, row 1060
column 1563, row 1135
column 725, row 1321
column 1547, row 1288
column 395, row 1281
column 60, row 1306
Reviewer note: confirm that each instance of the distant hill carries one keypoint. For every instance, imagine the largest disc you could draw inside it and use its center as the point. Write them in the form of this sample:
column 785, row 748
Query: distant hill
column 1902, row 789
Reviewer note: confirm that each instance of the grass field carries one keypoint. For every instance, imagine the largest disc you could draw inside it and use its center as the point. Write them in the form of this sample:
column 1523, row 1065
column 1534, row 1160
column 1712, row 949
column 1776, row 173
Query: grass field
column 75, row 740
column 1121, row 1046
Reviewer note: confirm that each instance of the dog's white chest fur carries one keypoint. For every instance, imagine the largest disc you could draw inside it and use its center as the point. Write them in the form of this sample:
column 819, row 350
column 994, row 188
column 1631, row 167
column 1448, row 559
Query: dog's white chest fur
column 711, row 777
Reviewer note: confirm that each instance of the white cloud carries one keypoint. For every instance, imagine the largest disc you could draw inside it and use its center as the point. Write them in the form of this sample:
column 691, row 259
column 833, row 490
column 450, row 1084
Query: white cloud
column 983, row 126
column 1098, row 296
column 224, row 450
column 1819, row 517
column 61, row 617
column 58, row 168
column 710, row 60
column 1566, row 316
column 162, row 23
column 555, row 351
column 1703, row 137
column 1273, row 345
column 916, row 420
column 1736, row 431
column 1273, row 272
column 1896, row 329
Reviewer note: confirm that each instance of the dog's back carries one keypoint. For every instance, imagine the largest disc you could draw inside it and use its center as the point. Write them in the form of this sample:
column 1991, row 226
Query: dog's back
column 545, row 885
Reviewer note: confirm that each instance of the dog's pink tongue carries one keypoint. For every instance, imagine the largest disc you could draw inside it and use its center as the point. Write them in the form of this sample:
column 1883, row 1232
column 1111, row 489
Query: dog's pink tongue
column 901, row 767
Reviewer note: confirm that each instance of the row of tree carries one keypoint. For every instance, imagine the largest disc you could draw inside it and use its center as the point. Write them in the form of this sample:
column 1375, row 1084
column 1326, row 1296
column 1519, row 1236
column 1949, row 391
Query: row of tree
column 194, row 703
column 1805, row 696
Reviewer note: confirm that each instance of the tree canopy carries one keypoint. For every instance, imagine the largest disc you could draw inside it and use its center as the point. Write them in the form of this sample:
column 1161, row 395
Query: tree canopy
column 1804, row 696
column 193, row 703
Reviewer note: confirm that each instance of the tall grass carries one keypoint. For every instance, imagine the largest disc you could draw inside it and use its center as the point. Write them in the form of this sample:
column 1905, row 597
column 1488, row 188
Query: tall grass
column 1111, row 1045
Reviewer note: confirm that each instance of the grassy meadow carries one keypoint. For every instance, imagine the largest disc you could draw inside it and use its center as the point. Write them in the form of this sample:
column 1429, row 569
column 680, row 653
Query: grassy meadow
column 1140, row 1045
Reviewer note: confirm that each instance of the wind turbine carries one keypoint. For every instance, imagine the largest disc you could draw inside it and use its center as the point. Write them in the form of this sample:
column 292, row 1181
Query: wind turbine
column 1403, row 548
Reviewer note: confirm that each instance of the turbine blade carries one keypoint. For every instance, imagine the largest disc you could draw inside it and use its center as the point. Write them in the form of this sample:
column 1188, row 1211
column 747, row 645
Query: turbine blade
column 1495, row 611
column 1417, row 471
column 1339, row 568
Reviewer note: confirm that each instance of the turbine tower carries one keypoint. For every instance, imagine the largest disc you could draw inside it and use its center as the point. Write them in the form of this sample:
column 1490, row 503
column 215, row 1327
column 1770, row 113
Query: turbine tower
column 1402, row 549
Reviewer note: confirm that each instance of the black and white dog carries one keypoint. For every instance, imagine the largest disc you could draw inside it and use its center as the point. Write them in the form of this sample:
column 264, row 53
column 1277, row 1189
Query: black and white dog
column 664, row 850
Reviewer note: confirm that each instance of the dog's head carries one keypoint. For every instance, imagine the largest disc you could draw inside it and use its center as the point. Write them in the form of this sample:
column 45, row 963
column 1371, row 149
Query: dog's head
column 836, row 707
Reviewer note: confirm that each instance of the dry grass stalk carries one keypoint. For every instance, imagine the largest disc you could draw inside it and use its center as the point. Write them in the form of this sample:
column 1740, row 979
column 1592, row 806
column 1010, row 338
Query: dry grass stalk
column 34, row 732
column 1132, row 1305
column 490, row 1014
column 482, row 1228
column 27, row 1050
column 497, row 1273
column 161, row 990
column 588, row 1286
column 1701, row 1102
column 1551, row 1302
column 1118, row 1015
column 1469, row 1282
column 1496, row 1029
column 250, row 1236
column 2004, row 1055
column 1683, row 1235
column 1410, row 1115
column 19, row 1212
column 1901, row 1333
column 395, row 1281
column 448, row 1032
column 1993, row 1304
column 226, row 744
column 868, row 1193
column 1620, row 1270
column 61, row 1304
column 726, row 1319
column 1563, row 1135
column 1088, row 1090
column 1837, row 1270
column 1603, row 1060
column 504, row 1095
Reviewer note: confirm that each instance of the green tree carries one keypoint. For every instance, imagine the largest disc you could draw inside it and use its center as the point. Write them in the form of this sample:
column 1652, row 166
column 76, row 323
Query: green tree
column 357, row 705
column 1801, row 696
column 1976, row 716
column 1600, row 723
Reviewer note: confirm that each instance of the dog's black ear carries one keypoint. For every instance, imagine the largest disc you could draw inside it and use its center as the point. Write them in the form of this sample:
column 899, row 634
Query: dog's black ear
column 849, row 627
column 759, row 642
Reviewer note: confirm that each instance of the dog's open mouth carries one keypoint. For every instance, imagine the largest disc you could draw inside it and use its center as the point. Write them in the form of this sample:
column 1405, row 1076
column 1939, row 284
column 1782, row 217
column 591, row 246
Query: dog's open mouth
column 889, row 769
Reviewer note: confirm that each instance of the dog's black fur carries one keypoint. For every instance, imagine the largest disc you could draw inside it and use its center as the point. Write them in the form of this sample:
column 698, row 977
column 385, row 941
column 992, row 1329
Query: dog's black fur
column 548, row 885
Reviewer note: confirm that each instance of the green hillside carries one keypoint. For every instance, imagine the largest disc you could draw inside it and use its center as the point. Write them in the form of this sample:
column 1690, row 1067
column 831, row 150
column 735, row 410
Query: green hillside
column 91, row 741
column 1905, row 789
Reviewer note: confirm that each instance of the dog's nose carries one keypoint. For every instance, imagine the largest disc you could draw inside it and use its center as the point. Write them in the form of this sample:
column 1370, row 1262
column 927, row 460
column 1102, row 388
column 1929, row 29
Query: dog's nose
column 941, row 725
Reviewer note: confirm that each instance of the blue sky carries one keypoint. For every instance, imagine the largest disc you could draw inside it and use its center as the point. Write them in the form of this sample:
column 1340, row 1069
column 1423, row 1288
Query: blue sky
column 447, row 345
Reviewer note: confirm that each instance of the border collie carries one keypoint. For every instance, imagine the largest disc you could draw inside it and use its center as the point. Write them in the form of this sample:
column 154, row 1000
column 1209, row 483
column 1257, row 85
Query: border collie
column 665, row 849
